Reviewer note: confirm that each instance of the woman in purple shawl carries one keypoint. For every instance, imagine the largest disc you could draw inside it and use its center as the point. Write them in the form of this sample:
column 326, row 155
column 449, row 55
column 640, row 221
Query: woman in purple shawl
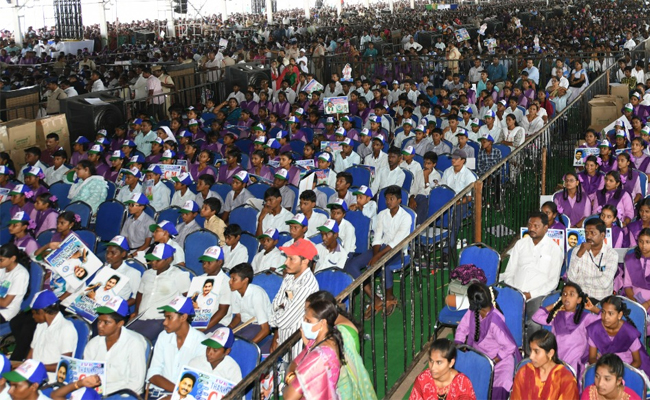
column 640, row 159
column 231, row 167
column 572, row 200
column 282, row 107
column 591, row 179
column 614, row 335
column 629, row 177
column 203, row 165
column 614, row 194
column 569, row 321
column 484, row 328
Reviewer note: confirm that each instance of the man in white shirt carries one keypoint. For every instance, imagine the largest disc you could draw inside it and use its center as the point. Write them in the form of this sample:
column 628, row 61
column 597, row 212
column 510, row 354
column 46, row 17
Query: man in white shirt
column 234, row 252
column 97, row 84
column 176, row 346
column 412, row 44
column 140, row 87
column 533, row 72
column 216, row 360
column 534, row 266
column 475, row 72
column 213, row 65
column 161, row 193
column 123, row 350
column 303, row 62
column 630, row 44
column 377, row 159
column 346, row 157
column 393, row 175
column 155, row 95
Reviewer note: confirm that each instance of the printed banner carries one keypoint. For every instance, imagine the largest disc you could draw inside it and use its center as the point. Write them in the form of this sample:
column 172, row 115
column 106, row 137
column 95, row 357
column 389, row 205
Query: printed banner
column 205, row 302
column 170, row 170
column 312, row 86
column 336, row 105
column 331, row 146
column 4, row 194
column 73, row 262
column 195, row 385
column 462, row 35
column 147, row 189
column 576, row 236
column 106, row 285
column 580, row 155
column 306, row 164
column 72, row 369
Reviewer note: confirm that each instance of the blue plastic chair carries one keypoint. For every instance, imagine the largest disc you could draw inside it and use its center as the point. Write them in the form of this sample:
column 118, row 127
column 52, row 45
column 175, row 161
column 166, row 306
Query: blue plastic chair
column 135, row 264
column 247, row 355
column 83, row 334
column 45, row 237
column 36, row 278
column 244, row 216
column 643, row 182
column 296, row 198
column 112, row 188
column 325, row 189
column 638, row 316
column 334, row 280
column 381, row 200
column 258, row 190
column 150, row 211
column 83, row 210
column 194, row 246
column 438, row 198
column 309, row 133
column 475, row 146
column 478, row 367
column 283, row 238
column 444, row 162
column 222, row 189
column 321, row 211
column 244, row 145
column 316, row 239
column 171, row 214
column 513, row 306
column 5, row 236
column 408, row 180
column 60, row 190
column 361, row 225
column 549, row 299
column 88, row 237
column 360, row 175
column 270, row 282
column 633, row 379
column 171, row 186
column 111, row 215
column 402, row 262
column 251, row 243
column 505, row 150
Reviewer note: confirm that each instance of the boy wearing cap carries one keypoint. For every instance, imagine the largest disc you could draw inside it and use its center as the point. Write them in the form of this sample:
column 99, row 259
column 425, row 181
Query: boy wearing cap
column 161, row 193
column 163, row 233
column 175, row 347
column 203, row 192
column 216, row 360
column 182, row 192
column 188, row 212
column 365, row 204
column 288, row 306
column 330, row 253
column 281, row 182
column 308, row 201
column 32, row 156
column 26, row 381
column 117, row 250
column 234, row 252
column 79, row 150
column 159, row 285
column 365, row 148
column 346, row 157
column 249, row 303
column 488, row 156
column 96, row 158
column 324, row 164
column 213, row 262
column 131, row 185
column 347, row 232
column 409, row 164
column 463, row 137
column 405, row 134
column 157, row 148
column 122, row 349
column 492, row 127
column 54, row 336
column 58, row 170
column 297, row 228
column 144, row 137
column 238, row 196
column 136, row 226
column 270, row 257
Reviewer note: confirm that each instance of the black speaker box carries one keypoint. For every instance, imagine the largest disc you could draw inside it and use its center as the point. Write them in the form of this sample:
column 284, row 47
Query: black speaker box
column 145, row 36
column 245, row 74
column 85, row 119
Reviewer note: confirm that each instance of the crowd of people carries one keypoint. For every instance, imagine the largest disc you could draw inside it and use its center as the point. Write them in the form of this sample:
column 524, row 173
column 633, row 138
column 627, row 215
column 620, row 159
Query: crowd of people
column 310, row 179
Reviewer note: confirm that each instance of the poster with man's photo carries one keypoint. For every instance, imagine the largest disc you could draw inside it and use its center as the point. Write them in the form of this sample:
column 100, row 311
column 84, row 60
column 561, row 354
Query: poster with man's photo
column 73, row 262
column 336, row 105
column 557, row 235
column 576, row 236
column 72, row 369
column 195, row 385
column 204, row 301
column 580, row 155
column 106, row 285
column 170, row 170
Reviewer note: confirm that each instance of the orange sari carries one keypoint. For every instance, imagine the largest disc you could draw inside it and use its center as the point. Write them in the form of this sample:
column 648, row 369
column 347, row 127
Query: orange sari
column 560, row 385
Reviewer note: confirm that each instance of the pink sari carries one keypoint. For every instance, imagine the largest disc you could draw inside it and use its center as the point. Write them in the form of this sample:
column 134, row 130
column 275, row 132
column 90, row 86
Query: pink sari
column 317, row 372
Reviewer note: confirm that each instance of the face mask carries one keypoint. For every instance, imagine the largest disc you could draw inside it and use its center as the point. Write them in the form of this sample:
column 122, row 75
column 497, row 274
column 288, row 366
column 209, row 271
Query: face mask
column 307, row 330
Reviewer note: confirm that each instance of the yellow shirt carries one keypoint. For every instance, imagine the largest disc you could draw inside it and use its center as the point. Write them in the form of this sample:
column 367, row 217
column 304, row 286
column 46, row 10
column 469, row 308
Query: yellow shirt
column 216, row 225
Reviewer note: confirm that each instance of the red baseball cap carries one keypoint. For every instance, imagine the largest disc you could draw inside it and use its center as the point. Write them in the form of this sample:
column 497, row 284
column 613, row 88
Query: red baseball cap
column 301, row 247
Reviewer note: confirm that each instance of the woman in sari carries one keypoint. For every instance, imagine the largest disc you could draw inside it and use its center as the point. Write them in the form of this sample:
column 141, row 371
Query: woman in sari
column 608, row 381
column 441, row 380
column 314, row 374
column 484, row 328
column 544, row 377
column 90, row 187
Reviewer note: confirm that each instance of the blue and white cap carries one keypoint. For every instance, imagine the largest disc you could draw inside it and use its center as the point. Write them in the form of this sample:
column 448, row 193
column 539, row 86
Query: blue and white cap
column 190, row 206
column 179, row 304
column 212, row 253
column 341, row 131
column 117, row 155
column 363, row 189
column 325, row 156
column 137, row 198
column 166, row 226
column 135, row 172
column 183, row 178
column 5, row 364
column 375, row 119
column 155, row 169
column 489, row 114
column 338, row 203
column 43, row 299
column 298, row 219
column 115, row 305
column 329, row 226
column 162, row 251
column 270, row 233
column 136, row 159
column 82, row 140
column 119, row 241
column 242, row 176
column 31, row 370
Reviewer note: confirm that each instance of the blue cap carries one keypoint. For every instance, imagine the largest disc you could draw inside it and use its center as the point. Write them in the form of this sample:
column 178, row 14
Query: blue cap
column 117, row 155
column 329, row 226
column 185, row 133
column 363, row 189
column 338, row 203
column 115, row 305
column 103, row 141
column 166, row 155
column 154, row 169
column 281, row 134
column 5, row 364
column 221, row 338
column 270, row 233
column 242, row 176
column 137, row 198
column 42, row 299
column 137, row 121
column 376, row 119
column 85, row 393
column 162, row 251
column 462, row 132
column 298, row 219
column 129, row 143
column 136, row 159
column 179, row 304
column 20, row 189
column 19, row 217
column 184, row 178
column 487, row 137
column 135, row 172
column 31, row 370
column 82, row 140
column 119, row 241
column 102, row 132
column 489, row 114
column 212, row 253
column 166, row 226
column 272, row 143
column 190, row 206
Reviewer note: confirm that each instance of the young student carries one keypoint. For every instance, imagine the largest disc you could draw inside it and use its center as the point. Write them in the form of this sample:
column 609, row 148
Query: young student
column 591, row 179
column 269, row 258
column 117, row 159
column 228, row 170
column 182, row 192
column 96, row 158
column 545, row 377
column 161, row 193
column 484, row 328
column 58, row 170
column 417, row 185
column 20, row 228
column 210, row 210
column 79, row 150
column 347, row 231
column 203, row 192
column 258, row 165
column 216, row 360
column 117, row 250
column 613, row 193
column 233, row 252
column 609, row 215
column 307, row 204
column 330, row 253
column 156, row 151
column 14, row 280
column 393, row 175
column 569, row 318
column 131, row 186
column 213, row 261
column 34, row 180
column 438, row 146
column 272, row 215
column 159, row 285
column 281, row 182
column 32, row 156
column 20, row 196
column 121, row 349
column 145, row 137
column 46, row 206
column 248, row 302
column 573, row 201
column 377, row 159
column 297, row 228
column 554, row 221
column 342, row 187
column 188, row 212
column 631, row 182
column 163, row 232
column 607, row 158
column 406, row 134
column 5, row 182
column 346, row 157
column 642, row 221
column 615, row 335
column 365, row 148
column 136, row 226
column 422, row 142
column 365, row 204
column 238, row 196
column 609, row 385
column 325, row 164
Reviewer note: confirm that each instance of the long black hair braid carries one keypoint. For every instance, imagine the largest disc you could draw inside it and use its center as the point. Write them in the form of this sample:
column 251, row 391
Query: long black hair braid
column 620, row 306
column 480, row 296
column 579, row 308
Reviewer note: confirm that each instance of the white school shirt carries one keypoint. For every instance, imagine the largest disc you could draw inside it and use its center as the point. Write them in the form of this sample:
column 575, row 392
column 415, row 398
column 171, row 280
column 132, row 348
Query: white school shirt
column 255, row 303
column 125, row 192
column 51, row 341
column 221, row 289
column 263, row 261
column 387, row 177
column 227, row 369
column 327, row 259
column 417, row 185
column 517, row 113
column 233, row 257
column 341, row 164
column 16, row 283
column 348, row 235
column 457, row 181
column 316, row 220
column 233, row 202
column 379, row 162
column 21, row 174
column 179, row 199
column 276, row 221
column 370, row 211
column 401, row 137
column 54, row 175
column 168, row 359
column 185, row 229
column 391, row 230
column 126, row 364
column 159, row 290
column 143, row 142
column 534, row 269
column 161, row 196
column 434, row 181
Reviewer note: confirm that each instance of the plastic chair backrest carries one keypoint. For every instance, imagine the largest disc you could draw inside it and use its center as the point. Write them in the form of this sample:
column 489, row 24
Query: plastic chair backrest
column 419, row 159
column 244, row 216
column 150, row 211
column 83, row 210
column 36, row 277
column 88, row 237
column 381, row 200
column 296, row 198
column 478, row 367
column 45, row 237
column 590, row 217
column 408, row 180
column 251, row 243
column 361, row 225
column 513, row 303
column 148, row 351
column 357, row 122
column 270, row 282
column 321, row 211
column 171, row 214
column 222, row 189
column 360, row 176
column 633, row 379
column 245, row 145
column 170, row 186
column 485, row 258
column 258, row 189
column 316, row 239
column 474, row 145
column 643, row 182
column 638, row 316
column 112, row 188
column 283, row 238
column 326, row 190
column 309, row 133
column 549, row 299
column 111, row 215
column 135, row 264
column 5, row 236
column 83, row 334
column 444, row 162
column 565, row 220
column 334, row 280
column 194, row 246
column 60, row 190
column 438, row 198
column 247, row 355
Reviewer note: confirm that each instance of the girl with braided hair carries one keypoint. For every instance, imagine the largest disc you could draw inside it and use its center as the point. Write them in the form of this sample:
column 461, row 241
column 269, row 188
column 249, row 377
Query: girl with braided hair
column 616, row 333
column 484, row 328
column 569, row 323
